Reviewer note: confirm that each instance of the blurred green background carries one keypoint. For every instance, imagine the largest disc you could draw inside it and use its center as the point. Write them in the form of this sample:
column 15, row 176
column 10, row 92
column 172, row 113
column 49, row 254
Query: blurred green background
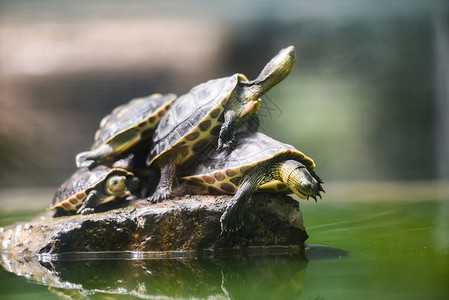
column 368, row 98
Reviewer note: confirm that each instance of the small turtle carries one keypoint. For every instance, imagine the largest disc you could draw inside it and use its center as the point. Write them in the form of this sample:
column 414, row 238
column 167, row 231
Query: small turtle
column 127, row 127
column 210, row 111
column 86, row 189
column 258, row 162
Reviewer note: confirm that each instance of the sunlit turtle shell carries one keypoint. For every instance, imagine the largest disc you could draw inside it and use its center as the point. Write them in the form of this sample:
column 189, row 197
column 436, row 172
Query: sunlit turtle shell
column 221, row 172
column 72, row 193
column 194, row 119
column 127, row 127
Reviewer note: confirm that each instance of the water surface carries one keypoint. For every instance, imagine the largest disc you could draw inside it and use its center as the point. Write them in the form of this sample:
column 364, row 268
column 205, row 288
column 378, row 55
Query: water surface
column 356, row 250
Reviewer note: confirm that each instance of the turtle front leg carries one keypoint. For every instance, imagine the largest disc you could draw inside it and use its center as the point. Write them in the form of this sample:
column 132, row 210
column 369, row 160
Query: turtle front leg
column 85, row 160
column 93, row 158
column 164, row 188
column 226, row 138
column 232, row 218
column 89, row 204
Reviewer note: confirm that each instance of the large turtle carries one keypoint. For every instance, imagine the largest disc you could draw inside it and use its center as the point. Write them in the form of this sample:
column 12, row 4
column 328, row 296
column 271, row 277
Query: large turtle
column 210, row 111
column 258, row 162
column 125, row 128
column 86, row 189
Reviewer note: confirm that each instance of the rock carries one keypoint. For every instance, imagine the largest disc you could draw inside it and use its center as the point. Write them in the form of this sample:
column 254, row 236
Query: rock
column 188, row 223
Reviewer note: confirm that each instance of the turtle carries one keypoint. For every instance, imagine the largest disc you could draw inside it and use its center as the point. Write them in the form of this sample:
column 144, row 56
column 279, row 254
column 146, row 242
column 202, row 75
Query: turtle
column 210, row 111
column 258, row 162
column 86, row 189
column 125, row 128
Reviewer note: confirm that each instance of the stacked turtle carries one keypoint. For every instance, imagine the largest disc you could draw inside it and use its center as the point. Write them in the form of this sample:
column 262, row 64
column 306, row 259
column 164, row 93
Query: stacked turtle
column 203, row 142
column 122, row 134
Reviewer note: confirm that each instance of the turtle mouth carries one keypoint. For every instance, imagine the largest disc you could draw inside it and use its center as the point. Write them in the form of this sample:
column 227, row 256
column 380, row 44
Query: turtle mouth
column 301, row 194
column 250, row 107
column 119, row 190
column 311, row 193
column 306, row 194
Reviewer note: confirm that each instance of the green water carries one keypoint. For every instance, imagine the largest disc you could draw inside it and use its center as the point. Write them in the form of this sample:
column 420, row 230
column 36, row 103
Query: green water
column 368, row 250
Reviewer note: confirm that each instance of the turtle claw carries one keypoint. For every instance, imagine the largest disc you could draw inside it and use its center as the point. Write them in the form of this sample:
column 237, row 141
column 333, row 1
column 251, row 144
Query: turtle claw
column 228, row 146
column 230, row 222
column 85, row 211
column 158, row 197
column 83, row 160
column 90, row 164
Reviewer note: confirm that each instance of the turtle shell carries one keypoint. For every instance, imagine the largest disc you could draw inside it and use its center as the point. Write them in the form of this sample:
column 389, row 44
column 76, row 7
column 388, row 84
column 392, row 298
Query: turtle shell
column 130, row 123
column 194, row 120
column 72, row 193
column 222, row 172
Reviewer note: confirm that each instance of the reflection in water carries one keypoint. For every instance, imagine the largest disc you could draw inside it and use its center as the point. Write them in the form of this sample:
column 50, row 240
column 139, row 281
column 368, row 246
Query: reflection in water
column 170, row 275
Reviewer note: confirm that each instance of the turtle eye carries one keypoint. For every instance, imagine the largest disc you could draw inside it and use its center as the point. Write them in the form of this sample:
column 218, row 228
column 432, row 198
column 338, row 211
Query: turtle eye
column 116, row 185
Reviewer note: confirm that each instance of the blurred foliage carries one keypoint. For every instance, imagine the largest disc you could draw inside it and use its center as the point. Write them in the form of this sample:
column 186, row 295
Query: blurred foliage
column 361, row 100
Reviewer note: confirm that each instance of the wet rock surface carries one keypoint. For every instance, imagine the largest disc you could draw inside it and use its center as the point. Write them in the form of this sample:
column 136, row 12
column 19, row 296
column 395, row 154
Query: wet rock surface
column 188, row 223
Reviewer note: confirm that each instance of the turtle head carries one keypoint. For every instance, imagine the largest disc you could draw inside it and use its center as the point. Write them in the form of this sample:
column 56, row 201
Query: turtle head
column 120, row 185
column 245, row 100
column 116, row 185
column 300, row 180
column 276, row 70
